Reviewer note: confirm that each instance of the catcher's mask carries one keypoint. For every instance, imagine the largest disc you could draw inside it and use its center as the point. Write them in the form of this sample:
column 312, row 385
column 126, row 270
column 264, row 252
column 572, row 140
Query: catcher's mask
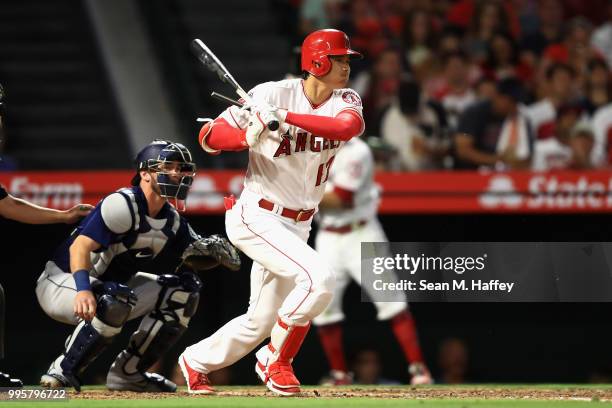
column 173, row 164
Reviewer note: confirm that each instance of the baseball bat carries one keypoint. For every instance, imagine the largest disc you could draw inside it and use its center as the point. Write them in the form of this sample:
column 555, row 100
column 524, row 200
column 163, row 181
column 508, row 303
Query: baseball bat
column 213, row 64
column 226, row 99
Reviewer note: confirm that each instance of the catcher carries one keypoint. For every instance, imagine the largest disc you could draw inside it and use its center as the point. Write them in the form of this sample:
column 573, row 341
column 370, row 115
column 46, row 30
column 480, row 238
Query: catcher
column 131, row 257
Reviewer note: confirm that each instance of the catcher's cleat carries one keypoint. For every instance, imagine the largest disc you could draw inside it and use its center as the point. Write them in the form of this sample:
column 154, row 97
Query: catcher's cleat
column 8, row 382
column 337, row 377
column 139, row 382
column 197, row 382
column 420, row 374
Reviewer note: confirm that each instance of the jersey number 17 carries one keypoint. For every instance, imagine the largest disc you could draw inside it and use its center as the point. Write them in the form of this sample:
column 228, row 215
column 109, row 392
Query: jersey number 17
column 323, row 172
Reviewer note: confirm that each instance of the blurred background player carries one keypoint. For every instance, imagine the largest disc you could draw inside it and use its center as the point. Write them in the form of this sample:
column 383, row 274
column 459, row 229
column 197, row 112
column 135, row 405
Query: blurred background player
column 348, row 218
column 124, row 261
column 285, row 181
column 22, row 211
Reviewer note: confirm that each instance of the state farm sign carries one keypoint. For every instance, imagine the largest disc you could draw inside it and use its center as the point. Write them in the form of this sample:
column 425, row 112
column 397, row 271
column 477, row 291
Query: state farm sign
column 541, row 191
column 440, row 192
column 47, row 194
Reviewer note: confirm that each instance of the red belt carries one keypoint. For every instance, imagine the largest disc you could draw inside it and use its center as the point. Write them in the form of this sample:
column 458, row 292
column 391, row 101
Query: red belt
column 345, row 229
column 295, row 215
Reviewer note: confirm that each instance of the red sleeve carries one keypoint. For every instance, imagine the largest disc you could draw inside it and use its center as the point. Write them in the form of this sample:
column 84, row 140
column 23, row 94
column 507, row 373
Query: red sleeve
column 343, row 126
column 220, row 135
column 347, row 196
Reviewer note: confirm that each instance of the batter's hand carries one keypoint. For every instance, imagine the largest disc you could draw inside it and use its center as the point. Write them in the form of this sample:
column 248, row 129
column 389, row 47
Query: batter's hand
column 76, row 213
column 255, row 129
column 269, row 113
column 85, row 305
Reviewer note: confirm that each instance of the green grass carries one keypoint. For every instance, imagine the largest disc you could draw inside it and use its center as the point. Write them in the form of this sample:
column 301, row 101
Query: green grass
column 264, row 402
column 311, row 401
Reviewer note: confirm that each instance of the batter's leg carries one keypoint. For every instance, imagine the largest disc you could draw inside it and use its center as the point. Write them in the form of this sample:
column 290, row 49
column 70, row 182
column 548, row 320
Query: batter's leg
column 279, row 245
column 242, row 334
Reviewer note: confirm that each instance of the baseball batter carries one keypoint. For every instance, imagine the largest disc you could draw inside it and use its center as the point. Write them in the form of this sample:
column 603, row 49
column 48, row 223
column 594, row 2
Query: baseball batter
column 126, row 260
column 348, row 218
column 285, row 181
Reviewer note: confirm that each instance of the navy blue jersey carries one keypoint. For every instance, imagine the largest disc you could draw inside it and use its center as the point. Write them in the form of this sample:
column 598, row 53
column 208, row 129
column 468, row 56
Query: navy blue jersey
column 3, row 192
column 131, row 241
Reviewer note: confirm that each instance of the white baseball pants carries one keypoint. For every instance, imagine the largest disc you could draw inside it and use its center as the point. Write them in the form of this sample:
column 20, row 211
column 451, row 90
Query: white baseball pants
column 289, row 280
column 343, row 253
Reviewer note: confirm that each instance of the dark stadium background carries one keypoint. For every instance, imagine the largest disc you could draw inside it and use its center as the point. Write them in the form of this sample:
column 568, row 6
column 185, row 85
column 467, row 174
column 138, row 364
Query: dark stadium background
column 61, row 114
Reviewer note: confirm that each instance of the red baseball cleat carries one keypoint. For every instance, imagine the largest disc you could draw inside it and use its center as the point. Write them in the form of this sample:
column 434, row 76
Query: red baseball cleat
column 197, row 382
column 337, row 377
column 279, row 378
column 420, row 374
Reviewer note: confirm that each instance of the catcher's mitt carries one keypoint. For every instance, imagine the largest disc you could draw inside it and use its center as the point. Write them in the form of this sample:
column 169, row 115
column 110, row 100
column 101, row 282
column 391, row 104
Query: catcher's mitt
column 208, row 252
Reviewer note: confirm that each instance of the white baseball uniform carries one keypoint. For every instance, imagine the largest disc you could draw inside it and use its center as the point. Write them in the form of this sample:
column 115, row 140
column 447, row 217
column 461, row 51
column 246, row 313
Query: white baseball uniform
column 542, row 116
column 288, row 169
column 342, row 231
column 602, row 130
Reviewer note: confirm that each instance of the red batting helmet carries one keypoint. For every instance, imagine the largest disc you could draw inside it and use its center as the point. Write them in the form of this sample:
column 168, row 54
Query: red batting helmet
column 317, row 46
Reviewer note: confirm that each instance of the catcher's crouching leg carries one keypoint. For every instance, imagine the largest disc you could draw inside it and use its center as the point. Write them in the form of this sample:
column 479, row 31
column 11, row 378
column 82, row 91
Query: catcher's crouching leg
column 158, row 331
column 115, row 302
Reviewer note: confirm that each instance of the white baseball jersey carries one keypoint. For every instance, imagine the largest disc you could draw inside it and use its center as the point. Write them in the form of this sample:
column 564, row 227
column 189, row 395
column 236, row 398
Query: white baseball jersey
column 542, row 115
column 353, row 171
column 290, row 166
column 550, row 154
column 602, row 132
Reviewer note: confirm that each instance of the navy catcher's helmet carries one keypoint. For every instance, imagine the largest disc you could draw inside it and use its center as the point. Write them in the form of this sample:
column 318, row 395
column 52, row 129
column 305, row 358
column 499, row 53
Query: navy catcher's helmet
column 167, row 159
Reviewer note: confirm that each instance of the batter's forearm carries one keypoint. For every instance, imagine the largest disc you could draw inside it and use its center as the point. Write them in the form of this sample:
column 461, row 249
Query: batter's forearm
column 220, row 135
column 345, row 126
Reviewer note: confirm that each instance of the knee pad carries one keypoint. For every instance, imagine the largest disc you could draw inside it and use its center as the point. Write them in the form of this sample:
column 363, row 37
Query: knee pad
column 181, row 295
column 178, row 301
column 115, row 302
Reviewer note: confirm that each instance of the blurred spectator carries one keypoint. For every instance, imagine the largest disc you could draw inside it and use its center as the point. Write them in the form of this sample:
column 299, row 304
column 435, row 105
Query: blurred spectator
column 370, row 33
column 495, row 133
column 379, row 87
column 571, row 146
column 415, row 129
column 598, row 90
column 450, row 40
column 453, row 361
column 527, row 13
column 602, row 132
column 367, row 368
column 418, row 42
column 574, row 50
column 559, row 90
column 385, row 155
column 455, row 93
column 475, row 13
column 602, row 37
column 488, row 18
column 486, row 89
column 319, row 14
column 550, row 23
column 503, row 59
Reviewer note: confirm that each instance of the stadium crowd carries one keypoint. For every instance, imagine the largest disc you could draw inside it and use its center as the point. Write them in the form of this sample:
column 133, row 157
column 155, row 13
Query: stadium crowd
column 469, row 84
